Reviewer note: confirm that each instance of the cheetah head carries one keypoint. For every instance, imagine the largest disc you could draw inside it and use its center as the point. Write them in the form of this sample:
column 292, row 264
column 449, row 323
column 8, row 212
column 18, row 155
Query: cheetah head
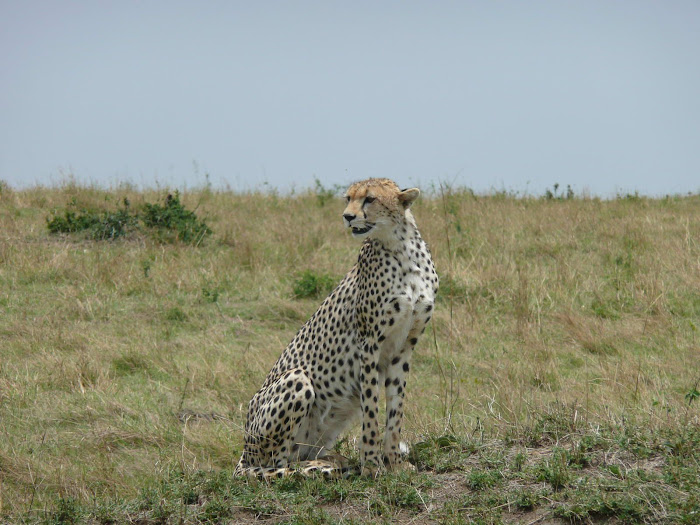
column 375, row 206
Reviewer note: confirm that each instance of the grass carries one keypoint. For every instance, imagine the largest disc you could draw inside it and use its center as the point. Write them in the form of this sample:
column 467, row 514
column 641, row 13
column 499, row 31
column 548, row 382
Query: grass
column 557, row 383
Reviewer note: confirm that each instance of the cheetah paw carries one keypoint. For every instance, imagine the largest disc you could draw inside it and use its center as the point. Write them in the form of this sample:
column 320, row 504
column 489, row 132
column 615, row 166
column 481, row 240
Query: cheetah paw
column 370, row 470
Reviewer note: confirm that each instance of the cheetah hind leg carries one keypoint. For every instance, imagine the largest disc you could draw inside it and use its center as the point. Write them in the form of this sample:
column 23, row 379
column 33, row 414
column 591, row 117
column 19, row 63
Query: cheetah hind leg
column 271, row 450
column 273, row 424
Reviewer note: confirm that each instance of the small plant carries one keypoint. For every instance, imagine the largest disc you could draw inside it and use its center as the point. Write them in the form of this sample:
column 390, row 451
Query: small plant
column 172, row 222
column 441, row 453
column 146, row 267
column 210, row 295
column 629, row 197
column 604, row 309
column 323, row 194
column 554, row 470
column 518, row 461
column 554, row 195
column 479, row 479
column 310, row 284
column 452, row 289
column 216, row 511
column 129, row 364
column 527, row 500
column 400, row 493
column 175, row 315
column 67, row 511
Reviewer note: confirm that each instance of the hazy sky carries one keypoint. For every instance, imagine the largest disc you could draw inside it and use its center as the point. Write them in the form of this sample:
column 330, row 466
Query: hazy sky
column 602, row 95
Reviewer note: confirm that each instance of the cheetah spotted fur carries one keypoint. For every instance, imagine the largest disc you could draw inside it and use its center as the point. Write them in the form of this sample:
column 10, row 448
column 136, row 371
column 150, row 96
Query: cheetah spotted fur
column 360, row 338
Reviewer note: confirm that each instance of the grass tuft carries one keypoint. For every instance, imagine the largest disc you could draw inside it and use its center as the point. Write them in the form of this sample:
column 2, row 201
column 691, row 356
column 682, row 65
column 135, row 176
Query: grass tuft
column 314, row 285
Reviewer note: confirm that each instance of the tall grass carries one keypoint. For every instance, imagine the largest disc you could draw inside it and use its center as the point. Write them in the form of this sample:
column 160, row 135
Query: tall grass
column 588, row 304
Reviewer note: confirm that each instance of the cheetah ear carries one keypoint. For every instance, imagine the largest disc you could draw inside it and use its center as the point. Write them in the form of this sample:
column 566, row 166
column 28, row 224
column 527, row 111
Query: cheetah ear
column 407, row 196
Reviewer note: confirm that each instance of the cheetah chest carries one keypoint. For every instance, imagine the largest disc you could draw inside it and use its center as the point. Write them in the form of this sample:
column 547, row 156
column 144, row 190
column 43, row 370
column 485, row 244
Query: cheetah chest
column 408, row 311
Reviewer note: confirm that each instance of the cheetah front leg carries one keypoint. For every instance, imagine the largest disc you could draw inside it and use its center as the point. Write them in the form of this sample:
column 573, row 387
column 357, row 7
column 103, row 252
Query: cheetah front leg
column 395, row 384
column 369, row 382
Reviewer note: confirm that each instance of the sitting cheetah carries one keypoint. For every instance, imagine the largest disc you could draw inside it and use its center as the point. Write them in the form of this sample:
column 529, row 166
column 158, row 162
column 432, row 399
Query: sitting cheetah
column 361, row 337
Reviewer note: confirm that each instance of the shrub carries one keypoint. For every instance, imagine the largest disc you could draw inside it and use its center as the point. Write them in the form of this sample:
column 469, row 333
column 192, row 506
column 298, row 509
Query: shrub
column 167, row 223
column 323, row 194
column 174, row 222
column 104, row 225
column 451, row 289
column 111, row 225
column 71, row 222
column 310, row 284
column 554, row 195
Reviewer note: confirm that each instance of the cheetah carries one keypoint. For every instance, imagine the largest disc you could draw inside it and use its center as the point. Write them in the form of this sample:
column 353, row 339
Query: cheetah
column 362, row 336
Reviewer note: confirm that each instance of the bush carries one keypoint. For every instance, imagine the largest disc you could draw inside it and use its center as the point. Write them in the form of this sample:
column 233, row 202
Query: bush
column 553, row 195
column 167, row 223
column 310, row 284
column 104, row 225
column 111, row 225
column 71, row 222
column 174, row 222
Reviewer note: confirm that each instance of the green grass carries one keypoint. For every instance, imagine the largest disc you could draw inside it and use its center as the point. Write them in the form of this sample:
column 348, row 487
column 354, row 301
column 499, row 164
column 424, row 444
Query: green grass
column 309, row 284
column 585, row 476
column 557, row 382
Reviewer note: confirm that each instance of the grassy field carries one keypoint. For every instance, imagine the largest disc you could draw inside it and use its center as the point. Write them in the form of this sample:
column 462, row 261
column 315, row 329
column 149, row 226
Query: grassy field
column 558, row 381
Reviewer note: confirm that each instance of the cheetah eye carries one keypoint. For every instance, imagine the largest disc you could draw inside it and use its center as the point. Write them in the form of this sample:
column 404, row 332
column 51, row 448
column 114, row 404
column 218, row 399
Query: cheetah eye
column 369, row 200
column 347, row 198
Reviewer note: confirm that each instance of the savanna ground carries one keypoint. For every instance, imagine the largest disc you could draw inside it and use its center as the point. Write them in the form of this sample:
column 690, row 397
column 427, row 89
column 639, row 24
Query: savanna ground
column 557, row 383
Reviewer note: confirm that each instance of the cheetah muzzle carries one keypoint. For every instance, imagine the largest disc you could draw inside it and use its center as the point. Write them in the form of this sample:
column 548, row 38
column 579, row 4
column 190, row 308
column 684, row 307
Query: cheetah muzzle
column 359, row 340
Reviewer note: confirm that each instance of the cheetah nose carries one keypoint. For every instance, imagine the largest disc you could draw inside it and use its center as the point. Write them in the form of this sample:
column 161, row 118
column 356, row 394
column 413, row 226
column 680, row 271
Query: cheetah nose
column 349, row 217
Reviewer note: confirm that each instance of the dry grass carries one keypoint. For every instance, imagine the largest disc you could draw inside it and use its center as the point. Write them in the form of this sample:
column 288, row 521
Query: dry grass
column 586, row 303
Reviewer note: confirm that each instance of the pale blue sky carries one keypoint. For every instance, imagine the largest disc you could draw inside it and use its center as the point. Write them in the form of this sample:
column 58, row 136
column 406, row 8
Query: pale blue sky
column 602, row 95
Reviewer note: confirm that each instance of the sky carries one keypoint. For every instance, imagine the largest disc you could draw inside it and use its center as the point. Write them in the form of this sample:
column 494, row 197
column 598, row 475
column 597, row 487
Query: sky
column 603, row 96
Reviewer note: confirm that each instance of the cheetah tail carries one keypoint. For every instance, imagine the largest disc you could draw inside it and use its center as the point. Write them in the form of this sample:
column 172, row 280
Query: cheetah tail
column 309, row 470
